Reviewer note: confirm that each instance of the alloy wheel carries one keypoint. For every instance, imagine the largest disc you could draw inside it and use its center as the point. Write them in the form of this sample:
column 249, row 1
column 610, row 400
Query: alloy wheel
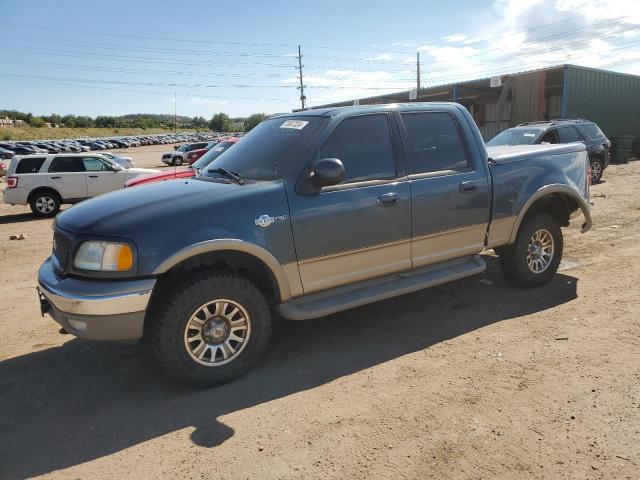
column 217, row 332
column 540, row 250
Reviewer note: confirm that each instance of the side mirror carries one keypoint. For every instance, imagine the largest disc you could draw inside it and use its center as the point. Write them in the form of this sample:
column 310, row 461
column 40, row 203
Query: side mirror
column 175, row 147
column 327, row 172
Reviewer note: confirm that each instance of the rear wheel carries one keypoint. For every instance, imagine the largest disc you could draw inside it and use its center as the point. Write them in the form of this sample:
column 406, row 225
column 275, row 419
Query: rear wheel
column 534, row 257
column 597, row 169
column 45, row 203
column 212, row 331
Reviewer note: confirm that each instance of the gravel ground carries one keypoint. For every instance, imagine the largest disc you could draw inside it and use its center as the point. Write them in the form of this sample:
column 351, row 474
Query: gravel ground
column 473, row 379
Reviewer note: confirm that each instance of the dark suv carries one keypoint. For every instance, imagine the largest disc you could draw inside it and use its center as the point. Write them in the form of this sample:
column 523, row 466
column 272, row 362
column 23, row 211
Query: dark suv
column 561, row 131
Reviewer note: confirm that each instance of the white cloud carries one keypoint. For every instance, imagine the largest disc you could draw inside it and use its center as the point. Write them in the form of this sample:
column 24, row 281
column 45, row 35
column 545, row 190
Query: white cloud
column 510, row 36
column 456, row 37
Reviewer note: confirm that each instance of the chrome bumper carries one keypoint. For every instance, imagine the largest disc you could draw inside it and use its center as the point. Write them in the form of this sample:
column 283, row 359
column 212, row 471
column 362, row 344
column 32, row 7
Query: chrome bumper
column 95, row 310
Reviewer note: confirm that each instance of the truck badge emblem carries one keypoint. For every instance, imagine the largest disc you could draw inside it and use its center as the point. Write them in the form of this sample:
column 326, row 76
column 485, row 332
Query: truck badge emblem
column 266, row 220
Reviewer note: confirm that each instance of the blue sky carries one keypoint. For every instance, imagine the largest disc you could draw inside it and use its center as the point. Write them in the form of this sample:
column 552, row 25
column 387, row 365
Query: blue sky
column 130, row 57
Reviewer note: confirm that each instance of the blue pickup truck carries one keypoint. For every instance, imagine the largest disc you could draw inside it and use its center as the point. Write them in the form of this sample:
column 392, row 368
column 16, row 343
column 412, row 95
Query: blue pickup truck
column 311, row 213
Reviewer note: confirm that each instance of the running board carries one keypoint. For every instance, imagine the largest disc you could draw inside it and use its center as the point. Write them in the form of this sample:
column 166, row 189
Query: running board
column 343, row 298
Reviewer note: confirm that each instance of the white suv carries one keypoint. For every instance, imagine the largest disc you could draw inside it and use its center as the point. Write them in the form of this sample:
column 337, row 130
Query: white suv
column 47, row 181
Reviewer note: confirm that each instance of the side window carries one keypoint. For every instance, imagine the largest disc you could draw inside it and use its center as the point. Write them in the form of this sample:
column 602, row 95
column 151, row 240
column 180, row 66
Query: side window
column 93, row 164
column 590, row 130
column 363, row 144
column 549, row 137
column 67, row 164
column 29, row 165
column 568, row 135
column 436, row 143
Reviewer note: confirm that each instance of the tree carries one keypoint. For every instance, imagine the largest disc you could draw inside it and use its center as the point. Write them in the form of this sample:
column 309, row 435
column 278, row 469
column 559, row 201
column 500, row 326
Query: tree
column 37, row 122
column 221, row 122
column 253, row 120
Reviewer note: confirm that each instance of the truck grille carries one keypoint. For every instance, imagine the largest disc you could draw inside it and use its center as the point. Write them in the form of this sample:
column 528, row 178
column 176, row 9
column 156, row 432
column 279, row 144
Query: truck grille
column 62, row 242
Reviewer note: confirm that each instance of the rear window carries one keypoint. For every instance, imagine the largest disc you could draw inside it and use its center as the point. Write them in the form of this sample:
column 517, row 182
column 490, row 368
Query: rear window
column 29, row 165
column 515, row 136
column 590, row 130
column 67, row 164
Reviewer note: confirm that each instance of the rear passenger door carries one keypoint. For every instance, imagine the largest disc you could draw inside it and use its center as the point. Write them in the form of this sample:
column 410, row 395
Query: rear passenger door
column 450, row 195
column 66, row 175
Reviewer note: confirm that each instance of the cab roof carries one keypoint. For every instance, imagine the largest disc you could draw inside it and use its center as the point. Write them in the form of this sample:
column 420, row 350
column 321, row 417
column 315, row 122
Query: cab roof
column 334, row 111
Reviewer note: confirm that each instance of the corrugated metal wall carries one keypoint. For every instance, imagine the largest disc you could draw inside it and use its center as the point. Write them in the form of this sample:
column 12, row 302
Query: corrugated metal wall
column 612, row 100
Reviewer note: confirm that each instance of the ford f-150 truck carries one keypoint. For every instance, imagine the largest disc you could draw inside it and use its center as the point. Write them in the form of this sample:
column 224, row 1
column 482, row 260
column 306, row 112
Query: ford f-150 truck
column 312, row 213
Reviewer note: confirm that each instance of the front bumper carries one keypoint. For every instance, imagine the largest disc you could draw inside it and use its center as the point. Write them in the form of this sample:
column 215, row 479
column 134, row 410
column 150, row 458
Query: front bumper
column 92, row 309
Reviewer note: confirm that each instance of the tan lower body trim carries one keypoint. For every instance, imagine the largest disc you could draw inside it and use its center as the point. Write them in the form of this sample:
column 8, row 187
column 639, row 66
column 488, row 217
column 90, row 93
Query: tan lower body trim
column 292, row 273
column 500, row 231
column 349, row 267
column 442, row 246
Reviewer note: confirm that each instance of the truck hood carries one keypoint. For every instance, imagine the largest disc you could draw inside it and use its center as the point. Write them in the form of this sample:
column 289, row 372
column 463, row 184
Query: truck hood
column 109, row 213
column 162, row 219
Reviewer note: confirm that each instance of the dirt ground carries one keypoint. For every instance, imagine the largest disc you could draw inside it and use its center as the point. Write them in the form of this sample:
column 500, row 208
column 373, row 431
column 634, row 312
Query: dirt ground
column 473, row 379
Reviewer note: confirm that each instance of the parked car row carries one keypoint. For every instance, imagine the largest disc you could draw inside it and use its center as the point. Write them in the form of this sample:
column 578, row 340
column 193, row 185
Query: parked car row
column 32, row 147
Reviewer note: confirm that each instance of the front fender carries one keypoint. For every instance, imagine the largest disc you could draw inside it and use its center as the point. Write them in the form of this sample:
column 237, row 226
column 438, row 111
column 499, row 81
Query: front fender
column 286, row 276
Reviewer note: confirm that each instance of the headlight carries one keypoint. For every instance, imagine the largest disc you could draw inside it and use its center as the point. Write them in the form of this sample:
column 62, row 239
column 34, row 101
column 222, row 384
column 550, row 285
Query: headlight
column 104, row 256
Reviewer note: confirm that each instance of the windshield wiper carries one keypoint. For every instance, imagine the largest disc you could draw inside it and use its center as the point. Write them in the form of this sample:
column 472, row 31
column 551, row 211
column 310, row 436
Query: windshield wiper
column 232, row 175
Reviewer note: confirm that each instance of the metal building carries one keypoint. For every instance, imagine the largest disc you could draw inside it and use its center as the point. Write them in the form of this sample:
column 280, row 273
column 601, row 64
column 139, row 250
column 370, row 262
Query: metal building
column 610, row 99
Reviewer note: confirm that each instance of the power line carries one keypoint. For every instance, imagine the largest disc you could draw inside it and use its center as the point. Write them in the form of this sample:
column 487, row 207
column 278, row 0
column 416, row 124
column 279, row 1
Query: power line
column 197, row 85
column 258, row 44
column 85, row 44
column 70, row 83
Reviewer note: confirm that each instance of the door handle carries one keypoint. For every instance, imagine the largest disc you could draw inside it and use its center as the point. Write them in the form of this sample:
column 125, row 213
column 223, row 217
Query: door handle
column 93, row 176
column 388, row 199
column 468, row 187
column 55, row 178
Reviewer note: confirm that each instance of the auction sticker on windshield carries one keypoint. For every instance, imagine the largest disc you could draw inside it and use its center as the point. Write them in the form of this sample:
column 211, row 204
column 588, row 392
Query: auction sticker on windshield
column 295, row 124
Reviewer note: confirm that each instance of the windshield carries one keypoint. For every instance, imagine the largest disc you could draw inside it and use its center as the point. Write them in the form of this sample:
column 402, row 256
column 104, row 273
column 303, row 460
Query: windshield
column 182, row 148
column 269, row 150
column 211, row 155
column 515, row 136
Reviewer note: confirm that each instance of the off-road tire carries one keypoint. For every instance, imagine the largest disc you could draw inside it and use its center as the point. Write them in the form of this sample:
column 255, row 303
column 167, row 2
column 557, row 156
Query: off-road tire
column 513, row 258
column 38, row 200
column 173, row 312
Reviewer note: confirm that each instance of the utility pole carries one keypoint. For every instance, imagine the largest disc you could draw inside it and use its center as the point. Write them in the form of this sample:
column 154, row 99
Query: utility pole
column 175, row 112
column 301, row 87
column 418, row 70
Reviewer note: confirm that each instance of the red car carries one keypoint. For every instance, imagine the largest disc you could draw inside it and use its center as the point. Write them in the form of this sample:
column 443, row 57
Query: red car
column 189, row 172
column 194, row 155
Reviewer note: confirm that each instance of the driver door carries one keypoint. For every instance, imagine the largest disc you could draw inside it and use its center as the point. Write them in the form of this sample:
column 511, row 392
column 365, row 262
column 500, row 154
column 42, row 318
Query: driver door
column 101, row 177
column 359, row 229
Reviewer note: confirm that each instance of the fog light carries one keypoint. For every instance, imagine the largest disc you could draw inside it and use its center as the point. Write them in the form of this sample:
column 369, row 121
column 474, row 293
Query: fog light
column 77, row 325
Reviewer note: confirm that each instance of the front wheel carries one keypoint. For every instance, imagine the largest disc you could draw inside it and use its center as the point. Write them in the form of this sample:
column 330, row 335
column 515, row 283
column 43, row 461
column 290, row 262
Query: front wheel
column 534, row 257
column 177, row 161
column 212, row 331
